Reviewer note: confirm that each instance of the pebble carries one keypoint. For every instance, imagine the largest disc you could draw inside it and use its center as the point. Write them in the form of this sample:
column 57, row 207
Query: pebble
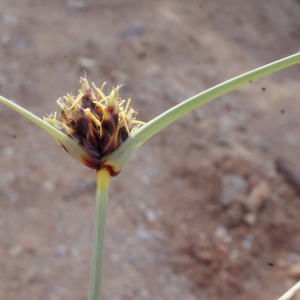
column 10, row 19
column 221, row 233
column 5, row 39
column 145, row 179
column 234, row 256
column 114, row 257
column 150, row 215
column 8, row 151
column 144, row 293
column 248, row 241
column 21, row 44
column 258, row 195
column 250, row 218
column 205, row 255
column 233, row 187
column 143, row 234
column 294, row 271
column 48, row 186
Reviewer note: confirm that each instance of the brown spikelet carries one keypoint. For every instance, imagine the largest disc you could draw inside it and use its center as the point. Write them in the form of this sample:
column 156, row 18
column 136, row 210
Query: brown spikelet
column 98, row 123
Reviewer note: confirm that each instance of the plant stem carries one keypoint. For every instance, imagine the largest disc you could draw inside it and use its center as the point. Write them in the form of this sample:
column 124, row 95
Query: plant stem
column 291, row 292
column 169, row 116
column 72, row 147
column 103, row 178
column 119, row 157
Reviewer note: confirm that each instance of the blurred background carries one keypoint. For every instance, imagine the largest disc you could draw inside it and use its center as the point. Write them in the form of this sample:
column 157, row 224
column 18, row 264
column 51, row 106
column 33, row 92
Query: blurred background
column 208, row 208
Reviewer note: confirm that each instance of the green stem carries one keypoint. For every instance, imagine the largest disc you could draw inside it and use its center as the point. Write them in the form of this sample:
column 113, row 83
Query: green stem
column 72, row 146
column 158, row 123
column 103, row 178
column 119, row 157
column 33, row 118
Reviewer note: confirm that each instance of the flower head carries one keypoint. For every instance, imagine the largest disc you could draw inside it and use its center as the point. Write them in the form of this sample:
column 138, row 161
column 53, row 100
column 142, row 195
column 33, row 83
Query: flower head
column 98, row 123
column 93, row 127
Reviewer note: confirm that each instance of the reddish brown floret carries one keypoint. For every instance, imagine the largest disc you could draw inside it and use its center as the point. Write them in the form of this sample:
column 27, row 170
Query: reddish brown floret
column 98, row 123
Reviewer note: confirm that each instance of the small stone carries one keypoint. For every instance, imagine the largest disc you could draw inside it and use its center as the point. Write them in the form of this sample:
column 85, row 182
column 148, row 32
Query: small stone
column 145, row 179
column 150, row 215
column 48, row 186
column 9, row 18
column 258, row 195
column 221, row 234
column 234, row 255
column 204, row 255
column 114, row 257
column 144, row 234
column 281, row 263
column 294, row 271
column 144, row 293
column 250, row 218
column 5, row 38
column 248, row 241
column 234, row 187
column 21, row 44
column 8, row 151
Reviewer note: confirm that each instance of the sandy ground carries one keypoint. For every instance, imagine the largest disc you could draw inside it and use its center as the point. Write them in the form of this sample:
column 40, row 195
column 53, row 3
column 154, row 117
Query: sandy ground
column 207, row 209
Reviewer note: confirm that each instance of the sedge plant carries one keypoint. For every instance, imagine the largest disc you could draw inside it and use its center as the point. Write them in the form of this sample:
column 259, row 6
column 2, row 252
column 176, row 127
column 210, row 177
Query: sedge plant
column 101, row 132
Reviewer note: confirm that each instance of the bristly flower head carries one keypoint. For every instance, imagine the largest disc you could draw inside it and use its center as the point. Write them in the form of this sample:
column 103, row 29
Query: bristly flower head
column 98, row 123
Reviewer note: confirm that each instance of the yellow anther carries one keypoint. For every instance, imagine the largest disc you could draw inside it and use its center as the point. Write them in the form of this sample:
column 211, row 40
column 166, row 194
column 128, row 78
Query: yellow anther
column 125, row 123
column 99, row 91
column 120, row 104
column 127, row 106
column 99, row 104
column 78, row 99
column 84, row 84
column 90, row 115
column 103, row 85
column 69, row 99
column 138, row 122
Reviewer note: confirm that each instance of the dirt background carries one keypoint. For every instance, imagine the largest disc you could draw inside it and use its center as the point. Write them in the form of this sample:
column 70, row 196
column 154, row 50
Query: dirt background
column 207, row 209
